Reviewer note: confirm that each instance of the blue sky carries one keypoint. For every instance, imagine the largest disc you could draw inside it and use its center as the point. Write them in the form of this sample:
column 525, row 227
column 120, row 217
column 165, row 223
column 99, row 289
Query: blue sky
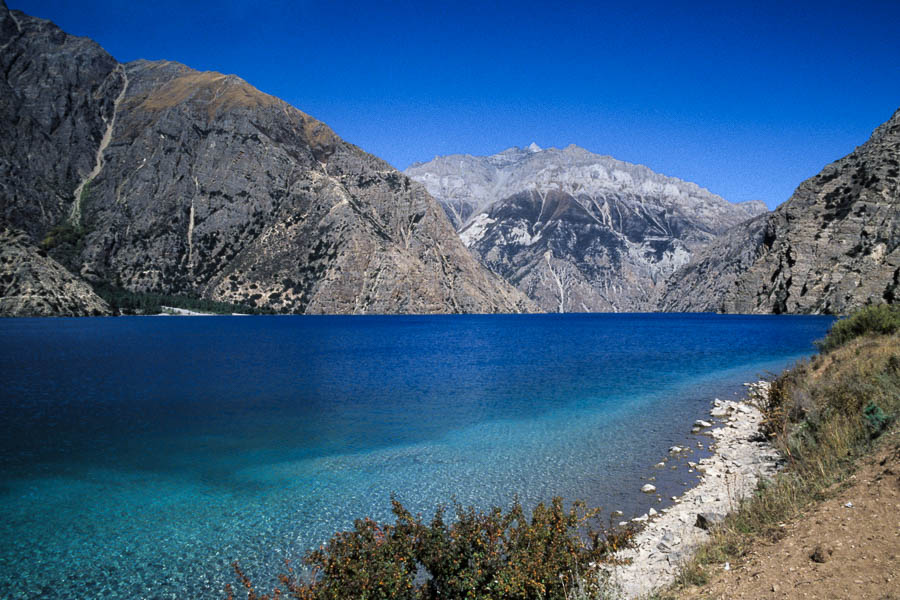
column 744, row 98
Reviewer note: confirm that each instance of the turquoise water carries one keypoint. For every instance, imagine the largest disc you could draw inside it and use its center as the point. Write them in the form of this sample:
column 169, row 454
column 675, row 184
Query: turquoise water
column 141, row 456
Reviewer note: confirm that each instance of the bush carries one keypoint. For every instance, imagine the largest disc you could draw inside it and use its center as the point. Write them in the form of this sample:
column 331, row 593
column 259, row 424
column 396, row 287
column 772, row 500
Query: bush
column 876, row 420
column 491, row 554
column 64, row 243
column 883, row 319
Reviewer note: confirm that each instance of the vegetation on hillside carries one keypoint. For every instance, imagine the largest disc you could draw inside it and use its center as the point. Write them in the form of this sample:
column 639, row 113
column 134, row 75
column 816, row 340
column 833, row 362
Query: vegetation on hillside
column 822, row 415
column 123, row 301
column 878, row 319
column 64, row 243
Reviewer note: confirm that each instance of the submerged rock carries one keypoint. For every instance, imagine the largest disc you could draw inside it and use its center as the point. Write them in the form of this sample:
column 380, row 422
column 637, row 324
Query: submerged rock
column 669, row 538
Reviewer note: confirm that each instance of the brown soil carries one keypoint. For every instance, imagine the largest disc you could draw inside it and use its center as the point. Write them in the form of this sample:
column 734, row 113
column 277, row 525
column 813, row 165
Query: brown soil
column 832, row 552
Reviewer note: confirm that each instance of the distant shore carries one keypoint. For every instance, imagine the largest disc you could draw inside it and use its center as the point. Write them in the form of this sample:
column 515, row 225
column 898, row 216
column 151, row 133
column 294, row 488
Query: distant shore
column 171, row 311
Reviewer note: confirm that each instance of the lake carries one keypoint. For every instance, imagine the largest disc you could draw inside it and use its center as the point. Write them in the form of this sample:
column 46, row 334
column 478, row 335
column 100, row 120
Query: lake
column 142, row 455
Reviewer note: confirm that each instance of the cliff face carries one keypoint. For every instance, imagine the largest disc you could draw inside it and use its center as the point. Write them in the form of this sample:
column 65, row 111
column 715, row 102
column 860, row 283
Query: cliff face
column 56, row 94
column 155, row 177
column 574, row 230
column 831, row 248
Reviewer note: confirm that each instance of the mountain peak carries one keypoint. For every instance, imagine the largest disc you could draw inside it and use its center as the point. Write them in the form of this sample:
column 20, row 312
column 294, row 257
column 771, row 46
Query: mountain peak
column 533, row 147
column 577, row 231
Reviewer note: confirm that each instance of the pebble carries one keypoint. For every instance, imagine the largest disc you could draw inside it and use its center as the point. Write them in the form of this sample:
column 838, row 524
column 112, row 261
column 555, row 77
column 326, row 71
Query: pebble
column 667, row 540
column 648, row 488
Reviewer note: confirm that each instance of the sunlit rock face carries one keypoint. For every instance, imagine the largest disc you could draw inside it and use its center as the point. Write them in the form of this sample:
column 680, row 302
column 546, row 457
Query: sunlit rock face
column 574, row 230
column 831, row 248
column 153, row 177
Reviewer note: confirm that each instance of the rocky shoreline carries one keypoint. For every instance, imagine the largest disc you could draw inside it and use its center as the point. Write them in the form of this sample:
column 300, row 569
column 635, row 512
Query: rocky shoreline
column 740, row 457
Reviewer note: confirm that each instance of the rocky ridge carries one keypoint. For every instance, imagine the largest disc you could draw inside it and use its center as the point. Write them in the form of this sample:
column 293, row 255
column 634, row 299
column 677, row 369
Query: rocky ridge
column 574, row 230
column 832, row 247
column 153, row 177
column 34, row 285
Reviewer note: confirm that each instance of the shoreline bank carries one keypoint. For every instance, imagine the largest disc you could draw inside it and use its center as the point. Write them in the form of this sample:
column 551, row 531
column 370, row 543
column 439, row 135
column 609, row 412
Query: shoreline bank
column 674, row 533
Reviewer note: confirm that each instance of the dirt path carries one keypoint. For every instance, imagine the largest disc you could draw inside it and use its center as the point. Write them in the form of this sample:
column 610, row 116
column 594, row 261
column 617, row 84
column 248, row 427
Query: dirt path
column 846, row 547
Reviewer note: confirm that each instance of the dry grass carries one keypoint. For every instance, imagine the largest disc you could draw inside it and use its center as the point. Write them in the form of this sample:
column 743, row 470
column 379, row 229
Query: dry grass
column 820, row 416
column 219, row 92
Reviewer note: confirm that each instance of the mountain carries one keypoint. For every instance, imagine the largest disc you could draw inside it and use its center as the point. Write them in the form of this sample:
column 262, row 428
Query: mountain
column 831, row 248
column 577, row 231
column 153, row 177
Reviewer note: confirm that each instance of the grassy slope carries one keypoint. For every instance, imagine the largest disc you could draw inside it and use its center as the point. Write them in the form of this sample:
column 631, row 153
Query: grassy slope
column 823, row 415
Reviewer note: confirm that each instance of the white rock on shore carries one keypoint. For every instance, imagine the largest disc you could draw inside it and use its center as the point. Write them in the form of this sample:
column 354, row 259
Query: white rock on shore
column 730, row 474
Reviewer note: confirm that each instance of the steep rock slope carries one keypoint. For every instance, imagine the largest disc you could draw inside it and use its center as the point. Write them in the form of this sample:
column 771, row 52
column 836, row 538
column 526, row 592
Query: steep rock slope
column 56, row 95
column 194, row 183
column 831, row 248
column 574, row 230
column 34, row 285
column 702, row 284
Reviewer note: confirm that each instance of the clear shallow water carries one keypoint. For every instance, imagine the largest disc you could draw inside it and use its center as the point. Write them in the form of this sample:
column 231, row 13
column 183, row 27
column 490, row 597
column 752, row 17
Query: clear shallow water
column 139, row 456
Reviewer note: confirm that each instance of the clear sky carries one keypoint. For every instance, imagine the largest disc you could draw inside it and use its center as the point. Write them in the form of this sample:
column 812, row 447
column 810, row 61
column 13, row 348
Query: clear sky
column 746, row 99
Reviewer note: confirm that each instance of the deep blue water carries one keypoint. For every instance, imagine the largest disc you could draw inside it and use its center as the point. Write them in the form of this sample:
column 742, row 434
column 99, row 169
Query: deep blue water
column 140, row 456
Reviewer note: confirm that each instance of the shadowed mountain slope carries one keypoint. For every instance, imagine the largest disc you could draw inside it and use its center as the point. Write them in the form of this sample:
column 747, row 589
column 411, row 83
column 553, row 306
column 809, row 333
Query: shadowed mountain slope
column 831, row 248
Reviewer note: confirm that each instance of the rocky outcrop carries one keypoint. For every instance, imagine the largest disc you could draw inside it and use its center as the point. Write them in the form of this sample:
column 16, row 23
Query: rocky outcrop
column 574, row 230
column 704, row 284
column 181, row 182
column 831, row 248
column 34, row 285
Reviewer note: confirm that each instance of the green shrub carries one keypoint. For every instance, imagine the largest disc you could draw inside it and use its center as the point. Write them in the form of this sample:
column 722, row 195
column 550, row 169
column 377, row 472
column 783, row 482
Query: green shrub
column 881, row 319
column 492, row 554
column 876, row 420
column 64, row 243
